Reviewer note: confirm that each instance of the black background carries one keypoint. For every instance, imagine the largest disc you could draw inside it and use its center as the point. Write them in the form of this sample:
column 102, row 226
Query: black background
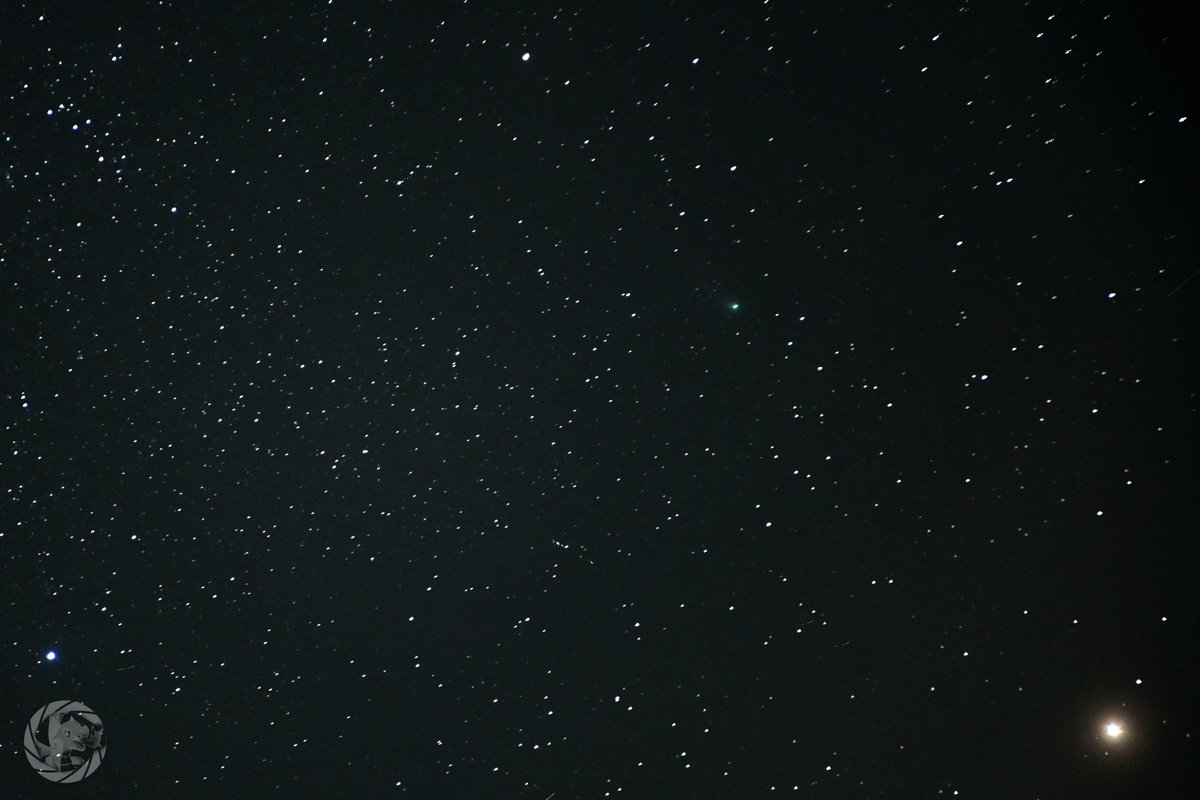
column 378, row 407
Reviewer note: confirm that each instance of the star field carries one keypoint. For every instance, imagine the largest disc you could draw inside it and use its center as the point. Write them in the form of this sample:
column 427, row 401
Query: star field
column 683, row 400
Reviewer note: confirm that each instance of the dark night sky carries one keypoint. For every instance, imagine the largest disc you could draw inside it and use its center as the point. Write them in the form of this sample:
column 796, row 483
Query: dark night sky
column 730, row 400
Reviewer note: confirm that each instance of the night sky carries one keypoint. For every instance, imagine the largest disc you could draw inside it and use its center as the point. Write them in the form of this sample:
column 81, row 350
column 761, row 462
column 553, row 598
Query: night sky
column 628, row 400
